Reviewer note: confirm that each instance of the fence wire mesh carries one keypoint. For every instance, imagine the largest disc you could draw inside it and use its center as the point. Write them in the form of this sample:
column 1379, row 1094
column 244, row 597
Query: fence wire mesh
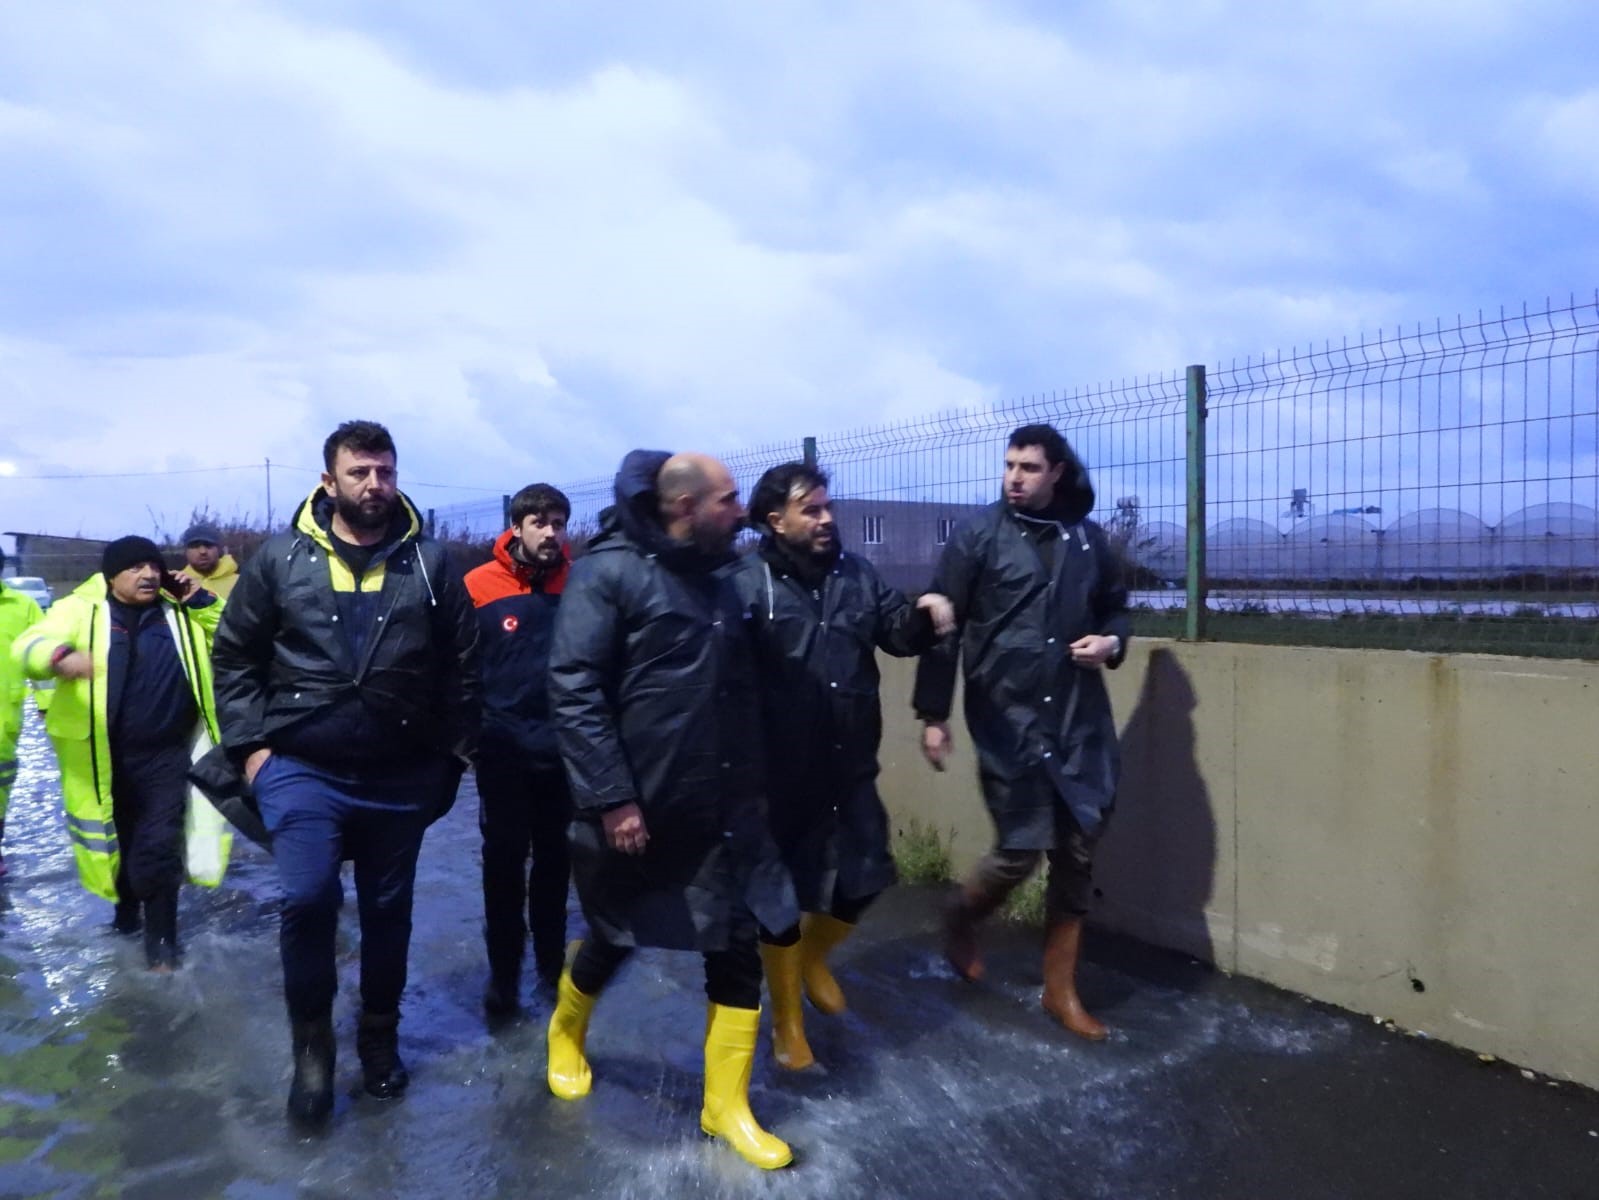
column 1426, row 489
column 1435, row 489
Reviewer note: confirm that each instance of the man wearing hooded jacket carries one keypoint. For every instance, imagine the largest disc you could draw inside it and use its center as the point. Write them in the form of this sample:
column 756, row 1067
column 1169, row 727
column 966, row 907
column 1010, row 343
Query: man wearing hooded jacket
column 347, row 687
column 1038, row 593
column 207, row 561
column 523, row 802
column 653, row 694
column 819, row 616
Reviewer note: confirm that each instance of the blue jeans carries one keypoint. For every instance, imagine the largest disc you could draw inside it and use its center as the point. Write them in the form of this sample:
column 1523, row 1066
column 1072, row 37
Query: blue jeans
column 317, row 820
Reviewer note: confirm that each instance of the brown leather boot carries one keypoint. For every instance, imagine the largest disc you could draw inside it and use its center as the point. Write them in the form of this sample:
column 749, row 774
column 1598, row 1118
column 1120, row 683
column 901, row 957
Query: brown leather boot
column 968, row 906
column 1063, row 943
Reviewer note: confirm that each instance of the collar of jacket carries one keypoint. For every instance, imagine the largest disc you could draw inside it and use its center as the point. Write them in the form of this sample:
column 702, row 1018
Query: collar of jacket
column 97, row 591
column 227, row 567
column 807, row 568
column 1073, row 498
column 1066, row 508
column 314, row 519
column 550, row 581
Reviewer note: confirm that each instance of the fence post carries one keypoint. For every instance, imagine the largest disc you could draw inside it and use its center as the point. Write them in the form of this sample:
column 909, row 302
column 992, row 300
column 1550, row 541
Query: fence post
column 810, row 452
column 505, row 512
column 432, row 525
column 1194, row 626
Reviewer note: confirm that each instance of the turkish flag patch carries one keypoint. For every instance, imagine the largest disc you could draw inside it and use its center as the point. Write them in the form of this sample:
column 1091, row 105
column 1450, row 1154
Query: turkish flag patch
column 509, row 624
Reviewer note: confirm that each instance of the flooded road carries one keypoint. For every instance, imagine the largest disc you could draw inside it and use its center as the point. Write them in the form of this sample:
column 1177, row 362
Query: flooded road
column 118, row 1083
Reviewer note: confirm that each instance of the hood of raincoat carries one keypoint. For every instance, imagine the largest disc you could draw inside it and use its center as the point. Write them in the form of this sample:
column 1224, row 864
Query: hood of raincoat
column 636, row 517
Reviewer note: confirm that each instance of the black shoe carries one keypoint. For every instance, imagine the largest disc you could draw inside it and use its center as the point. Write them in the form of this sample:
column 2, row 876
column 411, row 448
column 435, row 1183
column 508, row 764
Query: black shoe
column 127, row 921
column 548, row 967
column 161, row 955
column 311, row 1093
column 161, row 950
column 500, row 998
column 377, row 1042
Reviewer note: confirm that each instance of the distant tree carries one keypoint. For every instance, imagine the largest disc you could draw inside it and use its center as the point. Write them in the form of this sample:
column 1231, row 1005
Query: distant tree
column 1124, row 526
column 1126, row 530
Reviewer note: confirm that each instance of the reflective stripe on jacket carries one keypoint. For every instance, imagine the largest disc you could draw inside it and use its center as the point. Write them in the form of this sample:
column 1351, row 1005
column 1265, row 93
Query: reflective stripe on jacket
column 77, row 725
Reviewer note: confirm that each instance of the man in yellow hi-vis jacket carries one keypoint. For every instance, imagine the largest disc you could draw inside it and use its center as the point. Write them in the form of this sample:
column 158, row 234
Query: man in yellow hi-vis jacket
column 131, row 649
column 17, row 612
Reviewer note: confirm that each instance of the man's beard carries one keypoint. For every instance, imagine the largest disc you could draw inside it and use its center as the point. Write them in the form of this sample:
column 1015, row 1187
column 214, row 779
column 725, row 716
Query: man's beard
column 812, row 548
column 548, row 555
column 358, row 516
column 710, row 540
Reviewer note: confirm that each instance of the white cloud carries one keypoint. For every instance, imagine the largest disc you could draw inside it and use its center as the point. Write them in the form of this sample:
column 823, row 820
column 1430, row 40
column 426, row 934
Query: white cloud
column 530, row 240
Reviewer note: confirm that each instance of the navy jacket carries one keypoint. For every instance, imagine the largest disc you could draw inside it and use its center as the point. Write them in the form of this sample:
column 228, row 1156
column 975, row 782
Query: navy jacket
column 516, row 607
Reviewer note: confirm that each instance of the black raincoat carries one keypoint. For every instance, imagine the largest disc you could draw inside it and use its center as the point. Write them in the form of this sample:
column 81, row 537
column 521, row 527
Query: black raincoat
column 283, row 662
column 654, row 703
column 818, row 629
column 1043, row 729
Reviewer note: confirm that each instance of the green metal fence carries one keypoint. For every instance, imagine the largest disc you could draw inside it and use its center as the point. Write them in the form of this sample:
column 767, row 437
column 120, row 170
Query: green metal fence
column 1431, row 489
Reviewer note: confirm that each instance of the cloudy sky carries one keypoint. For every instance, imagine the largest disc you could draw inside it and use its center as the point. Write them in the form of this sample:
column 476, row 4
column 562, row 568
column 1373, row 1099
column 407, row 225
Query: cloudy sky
column 531, row 236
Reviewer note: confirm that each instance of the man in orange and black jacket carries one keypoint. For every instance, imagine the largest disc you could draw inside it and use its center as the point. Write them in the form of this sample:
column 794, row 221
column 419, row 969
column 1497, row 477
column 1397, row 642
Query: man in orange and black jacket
column 524, row 805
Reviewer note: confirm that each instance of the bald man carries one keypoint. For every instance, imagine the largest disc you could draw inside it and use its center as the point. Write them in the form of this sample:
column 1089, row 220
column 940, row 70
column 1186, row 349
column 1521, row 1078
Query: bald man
column 652, row 695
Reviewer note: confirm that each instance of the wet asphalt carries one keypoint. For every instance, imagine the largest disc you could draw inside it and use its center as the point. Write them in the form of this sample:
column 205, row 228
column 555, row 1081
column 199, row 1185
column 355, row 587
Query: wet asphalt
column 117, row 1083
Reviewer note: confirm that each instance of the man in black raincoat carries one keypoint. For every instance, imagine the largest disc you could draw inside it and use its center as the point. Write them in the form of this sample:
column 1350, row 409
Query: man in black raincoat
column 348, row 692
column 819, row 616
column 654, row 704
column 1038, row 593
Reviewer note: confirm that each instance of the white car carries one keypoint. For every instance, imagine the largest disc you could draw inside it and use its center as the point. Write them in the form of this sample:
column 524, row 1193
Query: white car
column 34, row 588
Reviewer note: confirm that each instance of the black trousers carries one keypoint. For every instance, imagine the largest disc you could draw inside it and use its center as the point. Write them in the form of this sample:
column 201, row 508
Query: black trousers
column 1069, row 888
column 149, row 796
column 732, row 976
column 523, row 814
column 848, row 909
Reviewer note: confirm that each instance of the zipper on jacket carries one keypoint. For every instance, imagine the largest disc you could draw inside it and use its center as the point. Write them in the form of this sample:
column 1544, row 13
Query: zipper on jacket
column 382, row 619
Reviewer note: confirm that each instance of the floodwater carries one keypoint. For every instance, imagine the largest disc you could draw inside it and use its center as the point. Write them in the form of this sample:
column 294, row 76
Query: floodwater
column 114, row 1082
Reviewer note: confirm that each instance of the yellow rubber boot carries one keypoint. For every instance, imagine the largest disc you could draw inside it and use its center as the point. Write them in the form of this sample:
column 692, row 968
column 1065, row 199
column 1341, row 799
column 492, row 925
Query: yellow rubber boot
column 729, row 1054
column 820, row 934
column 568, row 1069
column 789, row 1047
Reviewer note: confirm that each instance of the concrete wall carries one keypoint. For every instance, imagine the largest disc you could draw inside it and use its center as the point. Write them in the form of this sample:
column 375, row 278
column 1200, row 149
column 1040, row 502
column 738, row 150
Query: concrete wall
column 1407, row 835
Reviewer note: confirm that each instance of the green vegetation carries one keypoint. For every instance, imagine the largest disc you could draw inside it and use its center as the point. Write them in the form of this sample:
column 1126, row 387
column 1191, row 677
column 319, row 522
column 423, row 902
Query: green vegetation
column 921, row 855
column 1025, row 905
column 1528, row 632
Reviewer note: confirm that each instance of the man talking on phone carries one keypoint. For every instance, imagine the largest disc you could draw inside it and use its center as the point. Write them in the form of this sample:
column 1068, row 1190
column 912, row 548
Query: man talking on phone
column 131, row 651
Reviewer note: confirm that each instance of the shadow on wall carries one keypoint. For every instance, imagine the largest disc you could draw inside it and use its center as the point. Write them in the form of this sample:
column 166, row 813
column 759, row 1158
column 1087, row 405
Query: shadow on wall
column 1156, row 867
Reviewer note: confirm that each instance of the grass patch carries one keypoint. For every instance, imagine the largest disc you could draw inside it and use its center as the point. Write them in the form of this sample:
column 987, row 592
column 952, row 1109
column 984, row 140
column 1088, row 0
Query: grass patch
column 921, row 855
column 1444, row 633
column 1025, row 906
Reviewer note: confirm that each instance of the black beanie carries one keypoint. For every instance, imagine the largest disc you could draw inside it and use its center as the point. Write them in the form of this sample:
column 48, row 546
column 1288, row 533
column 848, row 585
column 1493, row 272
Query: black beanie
column 128, row 552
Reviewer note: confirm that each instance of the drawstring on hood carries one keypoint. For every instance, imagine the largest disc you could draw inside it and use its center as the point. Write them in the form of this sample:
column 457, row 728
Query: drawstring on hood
column 423, row 567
